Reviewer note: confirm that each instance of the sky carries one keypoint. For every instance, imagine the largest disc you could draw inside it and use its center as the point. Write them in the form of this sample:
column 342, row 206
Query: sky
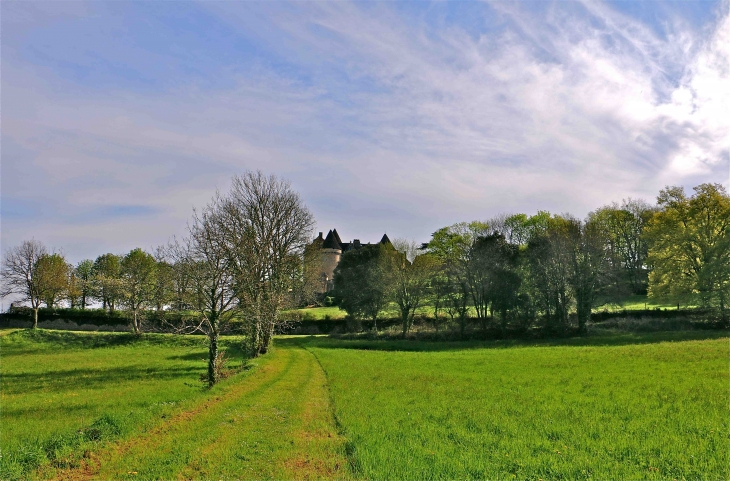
column 118, row 118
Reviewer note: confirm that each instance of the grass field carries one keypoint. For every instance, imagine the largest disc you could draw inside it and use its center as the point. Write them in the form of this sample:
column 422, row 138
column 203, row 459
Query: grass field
column 619, row 406
column 641, row 410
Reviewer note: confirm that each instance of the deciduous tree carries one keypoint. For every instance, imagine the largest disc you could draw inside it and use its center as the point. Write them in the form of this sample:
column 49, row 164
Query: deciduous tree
column 409, row 271
column 85, row 274
column 51, row 274
column 138, row 271
column 107, row 281
column 19, row 274
column 689, row 241
column 265, row 225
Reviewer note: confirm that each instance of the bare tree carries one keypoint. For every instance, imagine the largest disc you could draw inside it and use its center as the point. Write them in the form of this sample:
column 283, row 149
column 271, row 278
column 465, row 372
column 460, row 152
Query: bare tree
column 265, row 227
column 211, row 284
column 18, row 272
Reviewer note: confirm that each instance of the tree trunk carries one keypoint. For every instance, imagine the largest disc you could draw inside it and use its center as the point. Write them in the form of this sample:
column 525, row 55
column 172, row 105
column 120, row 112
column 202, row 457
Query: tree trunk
column 254, row 341
column 375, row 322
column 213, row 354
column 35, row 318
column 268, row 334
column 134, row 321
column 404, row 319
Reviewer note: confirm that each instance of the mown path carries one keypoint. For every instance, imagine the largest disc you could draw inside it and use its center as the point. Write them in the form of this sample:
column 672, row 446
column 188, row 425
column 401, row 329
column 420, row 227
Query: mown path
column 276, row 423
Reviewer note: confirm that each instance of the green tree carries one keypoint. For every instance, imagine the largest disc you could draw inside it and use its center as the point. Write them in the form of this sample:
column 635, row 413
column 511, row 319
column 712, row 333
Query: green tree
column 689, row 247
column 622, row 227
column 498, row 260
column 549, row 266
column 138, row 273
column 84, row 272
column 107, row 282
column 73, row 287
column 408, row 272
column 51, row 273
column 590, row 271
column 361, row 281
column 451, row 246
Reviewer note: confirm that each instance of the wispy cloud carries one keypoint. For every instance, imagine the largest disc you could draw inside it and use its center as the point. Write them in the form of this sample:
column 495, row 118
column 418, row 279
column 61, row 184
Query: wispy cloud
column 384, row 118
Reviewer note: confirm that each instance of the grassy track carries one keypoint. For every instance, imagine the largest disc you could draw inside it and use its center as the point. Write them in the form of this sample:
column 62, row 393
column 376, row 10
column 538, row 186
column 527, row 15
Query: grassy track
column 651, row 410
column 276, row 425
column 274, row 421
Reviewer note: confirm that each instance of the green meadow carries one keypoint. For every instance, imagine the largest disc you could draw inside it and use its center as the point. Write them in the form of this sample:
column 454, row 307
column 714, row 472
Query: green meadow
column 609, row 406
column 633, row 302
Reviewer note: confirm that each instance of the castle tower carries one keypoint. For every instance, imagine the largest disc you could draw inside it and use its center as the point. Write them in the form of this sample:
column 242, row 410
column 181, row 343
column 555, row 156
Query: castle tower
column 331, row 252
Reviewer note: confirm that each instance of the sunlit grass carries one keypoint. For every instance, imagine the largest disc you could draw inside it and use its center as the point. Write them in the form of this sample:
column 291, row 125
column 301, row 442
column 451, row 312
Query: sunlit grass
column 631, row 407
column 64, row 390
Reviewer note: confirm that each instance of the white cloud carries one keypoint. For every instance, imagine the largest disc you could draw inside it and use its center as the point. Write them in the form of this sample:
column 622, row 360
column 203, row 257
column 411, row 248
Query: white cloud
column 398, row 125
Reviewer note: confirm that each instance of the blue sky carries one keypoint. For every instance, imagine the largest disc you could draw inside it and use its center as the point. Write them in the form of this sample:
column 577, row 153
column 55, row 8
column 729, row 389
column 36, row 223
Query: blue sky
column 120, row 117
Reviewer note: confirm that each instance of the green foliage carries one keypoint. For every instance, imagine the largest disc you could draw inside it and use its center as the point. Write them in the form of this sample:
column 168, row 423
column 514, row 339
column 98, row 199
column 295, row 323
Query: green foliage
column 622, row 227
column 138, row 271
column 84, row 272
column 51, row 274
column 107, row 283
column 690, row 247
column 360, row 281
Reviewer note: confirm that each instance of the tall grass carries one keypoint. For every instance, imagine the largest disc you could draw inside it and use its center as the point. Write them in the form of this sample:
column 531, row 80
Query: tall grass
column 64, row 393
column 632, row 407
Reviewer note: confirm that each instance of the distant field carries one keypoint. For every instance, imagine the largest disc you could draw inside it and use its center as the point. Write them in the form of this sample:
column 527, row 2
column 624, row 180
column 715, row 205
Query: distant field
column 319, row 313
column 634, row 408
column 631, row 303
column 618, row 406
column 637, row 302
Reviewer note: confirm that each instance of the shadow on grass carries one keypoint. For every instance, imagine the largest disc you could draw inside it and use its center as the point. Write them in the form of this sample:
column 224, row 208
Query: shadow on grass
column 598, row 339
column 42, row 338
column 74, row 379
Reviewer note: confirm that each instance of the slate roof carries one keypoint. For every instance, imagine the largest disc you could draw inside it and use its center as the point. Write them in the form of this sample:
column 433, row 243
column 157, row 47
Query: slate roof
column 332, row 241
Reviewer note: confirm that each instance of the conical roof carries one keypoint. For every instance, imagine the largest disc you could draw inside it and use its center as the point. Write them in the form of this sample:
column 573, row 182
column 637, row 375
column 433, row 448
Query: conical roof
column 385, row 239
column 331, row 242
column 337, row 237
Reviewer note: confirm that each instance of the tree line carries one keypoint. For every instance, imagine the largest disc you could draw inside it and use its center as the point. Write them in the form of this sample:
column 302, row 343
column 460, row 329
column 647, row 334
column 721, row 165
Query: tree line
column 248, row 255
column 513, row 271
column 242, row 258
